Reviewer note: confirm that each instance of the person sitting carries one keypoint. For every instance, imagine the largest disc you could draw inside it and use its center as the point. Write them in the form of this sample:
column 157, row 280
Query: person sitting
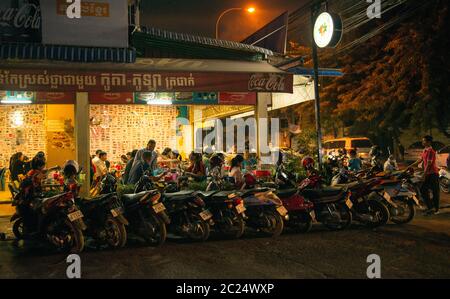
column 354, row 163
column 196, row 168
column 236, row 171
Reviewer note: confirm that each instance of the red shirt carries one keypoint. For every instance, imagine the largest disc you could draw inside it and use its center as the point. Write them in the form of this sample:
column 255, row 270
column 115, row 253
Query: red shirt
column 429, row 156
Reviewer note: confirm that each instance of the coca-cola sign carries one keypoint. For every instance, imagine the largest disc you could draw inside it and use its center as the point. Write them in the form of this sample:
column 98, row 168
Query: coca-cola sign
column 267, row 82
column 20, row 20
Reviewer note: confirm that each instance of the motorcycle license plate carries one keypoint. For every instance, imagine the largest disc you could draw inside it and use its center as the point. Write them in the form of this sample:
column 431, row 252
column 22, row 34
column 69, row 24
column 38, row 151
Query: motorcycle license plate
column 206, row 215
column 159, row 207
column 349, row 203
column 282, row 210
column 116, row 212
column 75, row 216
column 240, row 208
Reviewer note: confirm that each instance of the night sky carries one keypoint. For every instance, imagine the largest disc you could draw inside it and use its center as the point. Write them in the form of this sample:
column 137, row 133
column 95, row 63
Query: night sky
column 199, row 16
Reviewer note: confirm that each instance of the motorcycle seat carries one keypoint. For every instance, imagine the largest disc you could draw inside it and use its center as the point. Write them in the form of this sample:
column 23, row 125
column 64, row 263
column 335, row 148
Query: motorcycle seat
column 352, row 185
column 181, row 195
column 132, row 198
column 284, row 193
column 248, row 192
column 205, row 194
column 223, row 195
column 324, row 194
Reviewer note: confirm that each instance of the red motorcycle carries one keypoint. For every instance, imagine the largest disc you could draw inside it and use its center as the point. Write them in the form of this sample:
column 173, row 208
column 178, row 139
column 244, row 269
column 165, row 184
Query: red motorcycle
column 299, row 209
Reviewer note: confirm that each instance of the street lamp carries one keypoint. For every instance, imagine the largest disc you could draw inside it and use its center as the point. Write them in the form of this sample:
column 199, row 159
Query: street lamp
column 249, row 10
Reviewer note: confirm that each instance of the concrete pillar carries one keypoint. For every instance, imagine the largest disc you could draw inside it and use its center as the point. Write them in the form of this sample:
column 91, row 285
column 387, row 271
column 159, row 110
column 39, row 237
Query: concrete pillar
column 82, row 137
column 264, row 99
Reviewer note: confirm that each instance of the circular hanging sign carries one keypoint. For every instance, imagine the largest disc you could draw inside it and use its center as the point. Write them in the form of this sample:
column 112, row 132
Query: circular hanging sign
column 327, row 30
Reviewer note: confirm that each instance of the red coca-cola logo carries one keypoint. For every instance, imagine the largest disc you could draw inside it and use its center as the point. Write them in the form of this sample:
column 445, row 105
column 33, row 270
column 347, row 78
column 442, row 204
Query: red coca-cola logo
column 266, row 82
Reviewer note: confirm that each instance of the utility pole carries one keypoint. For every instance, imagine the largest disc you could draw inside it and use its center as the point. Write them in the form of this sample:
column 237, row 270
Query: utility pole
column 314, row 8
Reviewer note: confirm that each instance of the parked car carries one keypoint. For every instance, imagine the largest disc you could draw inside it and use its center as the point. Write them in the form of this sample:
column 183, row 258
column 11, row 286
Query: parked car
column 413, row 152
column 361, row 144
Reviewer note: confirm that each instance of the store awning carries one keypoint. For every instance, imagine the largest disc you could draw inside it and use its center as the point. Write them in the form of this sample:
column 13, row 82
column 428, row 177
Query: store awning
column 145, row 75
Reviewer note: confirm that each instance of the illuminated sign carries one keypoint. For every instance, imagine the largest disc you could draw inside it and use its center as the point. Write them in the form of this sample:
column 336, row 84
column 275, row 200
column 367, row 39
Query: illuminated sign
column 17, row 97
column 327, row 30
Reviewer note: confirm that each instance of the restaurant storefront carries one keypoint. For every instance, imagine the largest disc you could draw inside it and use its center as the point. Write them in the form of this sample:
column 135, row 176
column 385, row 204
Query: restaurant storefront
column 73, row 109
column 69, row 99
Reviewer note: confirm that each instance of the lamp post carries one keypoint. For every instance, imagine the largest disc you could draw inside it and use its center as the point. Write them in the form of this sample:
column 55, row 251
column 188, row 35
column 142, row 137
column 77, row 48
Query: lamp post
column 249, row 10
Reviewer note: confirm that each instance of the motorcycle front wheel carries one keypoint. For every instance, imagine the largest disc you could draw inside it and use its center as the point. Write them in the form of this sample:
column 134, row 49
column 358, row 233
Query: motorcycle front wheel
column 379, row 212
column 276, row 223
column 444, row 184
column 18, row 229
column 407, row 207
column 156, row 231
column 199, row 229
column 301, row 223
column 116, row 234
column 345, row 221
column 67, row 237
column 233, row 225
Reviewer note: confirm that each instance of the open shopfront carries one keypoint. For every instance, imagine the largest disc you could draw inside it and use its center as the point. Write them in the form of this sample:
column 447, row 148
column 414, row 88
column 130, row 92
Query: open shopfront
column 69, row 110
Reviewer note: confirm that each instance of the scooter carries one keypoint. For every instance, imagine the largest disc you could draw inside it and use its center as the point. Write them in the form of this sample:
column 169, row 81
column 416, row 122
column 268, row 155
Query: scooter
column 301, row 210
column 332, row 206
column 146, row 214
column 264, row 210
column 228, row 212
column 104, row 216
column 400, row 196
column 366, row 210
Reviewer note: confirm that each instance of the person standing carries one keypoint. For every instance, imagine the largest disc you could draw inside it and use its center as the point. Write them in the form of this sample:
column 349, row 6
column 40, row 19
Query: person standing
column 431, row 173
column 151, row 148
column 130, row 162
column 17, row 167
column 100, row 165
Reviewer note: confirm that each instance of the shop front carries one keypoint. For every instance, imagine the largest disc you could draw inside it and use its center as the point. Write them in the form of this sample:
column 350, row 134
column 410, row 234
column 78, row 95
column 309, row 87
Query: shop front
column 69, row 110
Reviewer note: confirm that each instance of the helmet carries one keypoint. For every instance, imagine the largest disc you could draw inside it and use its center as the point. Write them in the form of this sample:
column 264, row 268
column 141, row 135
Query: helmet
column 70, row 168
column 307, row 162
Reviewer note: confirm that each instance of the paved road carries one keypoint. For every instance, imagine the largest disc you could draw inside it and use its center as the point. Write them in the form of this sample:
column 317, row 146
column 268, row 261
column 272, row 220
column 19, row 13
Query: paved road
column 420, row 249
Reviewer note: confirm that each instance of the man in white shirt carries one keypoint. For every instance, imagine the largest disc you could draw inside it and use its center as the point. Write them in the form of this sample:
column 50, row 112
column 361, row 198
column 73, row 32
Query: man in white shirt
column 100, row 165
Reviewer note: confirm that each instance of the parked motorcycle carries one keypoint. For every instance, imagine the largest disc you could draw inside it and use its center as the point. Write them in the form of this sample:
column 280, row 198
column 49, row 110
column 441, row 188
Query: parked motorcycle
column 301, row 210
column 146, row 214
column 332, row 206
column 264, row 209
column 228, row 212
column 368, row 211
column 55, row 219
column 400, row 196
column 104, row 216
column 189, row 215
column 444, row 179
